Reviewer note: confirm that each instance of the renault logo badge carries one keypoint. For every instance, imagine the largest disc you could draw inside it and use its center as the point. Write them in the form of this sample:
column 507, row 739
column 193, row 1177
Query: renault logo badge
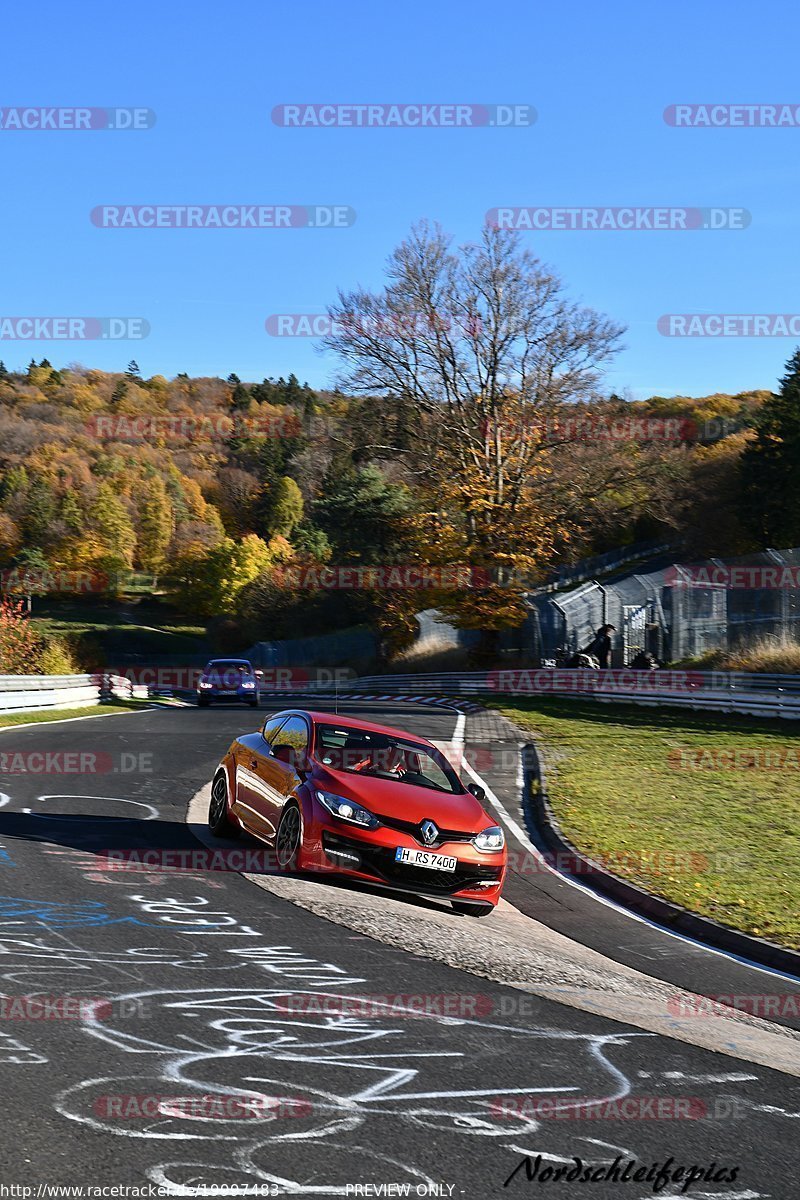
column 430, row 833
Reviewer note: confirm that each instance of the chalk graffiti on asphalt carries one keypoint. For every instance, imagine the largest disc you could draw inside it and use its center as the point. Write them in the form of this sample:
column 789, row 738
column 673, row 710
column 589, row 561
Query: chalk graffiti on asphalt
column 20, row 912
column 14, row 1052
column 347, row 1071
column 183, row 916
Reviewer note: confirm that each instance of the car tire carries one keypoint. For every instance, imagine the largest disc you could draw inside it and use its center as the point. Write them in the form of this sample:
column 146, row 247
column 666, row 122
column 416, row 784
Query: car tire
column 219, row 821
column 253, row 703
column 472, row 910
column 289, row 839
column 203, row 701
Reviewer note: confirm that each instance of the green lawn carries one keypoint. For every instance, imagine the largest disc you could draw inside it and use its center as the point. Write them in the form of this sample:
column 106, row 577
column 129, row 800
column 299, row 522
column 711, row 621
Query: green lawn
column 723, row 842
column 60, row 714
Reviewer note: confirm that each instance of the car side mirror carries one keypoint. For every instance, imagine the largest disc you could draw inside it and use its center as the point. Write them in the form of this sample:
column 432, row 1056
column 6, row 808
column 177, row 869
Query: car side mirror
column 478, row 792
column 293, row 758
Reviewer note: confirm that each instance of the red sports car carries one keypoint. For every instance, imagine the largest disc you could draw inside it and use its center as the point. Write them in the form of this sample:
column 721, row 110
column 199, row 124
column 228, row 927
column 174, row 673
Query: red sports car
column 331, row 793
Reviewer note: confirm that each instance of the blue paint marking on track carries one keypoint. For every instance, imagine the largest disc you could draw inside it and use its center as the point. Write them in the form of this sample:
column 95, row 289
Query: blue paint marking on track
column 19, row 912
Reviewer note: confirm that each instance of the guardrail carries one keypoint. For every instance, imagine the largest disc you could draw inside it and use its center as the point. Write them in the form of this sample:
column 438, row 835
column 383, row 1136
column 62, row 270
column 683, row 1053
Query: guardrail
column 715, row 691
column 21, row 693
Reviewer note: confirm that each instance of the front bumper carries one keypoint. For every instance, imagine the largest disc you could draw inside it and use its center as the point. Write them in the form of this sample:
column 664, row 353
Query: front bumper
column 374, row 860
column 237, row 697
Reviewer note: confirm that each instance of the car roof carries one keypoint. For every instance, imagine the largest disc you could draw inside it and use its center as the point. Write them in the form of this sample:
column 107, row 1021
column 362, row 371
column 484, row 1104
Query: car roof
column 229, row 658
column 329, row 718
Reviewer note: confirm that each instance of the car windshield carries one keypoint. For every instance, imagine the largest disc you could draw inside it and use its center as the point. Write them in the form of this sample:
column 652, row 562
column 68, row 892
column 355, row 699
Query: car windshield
column 228, row 668
column 363, row 752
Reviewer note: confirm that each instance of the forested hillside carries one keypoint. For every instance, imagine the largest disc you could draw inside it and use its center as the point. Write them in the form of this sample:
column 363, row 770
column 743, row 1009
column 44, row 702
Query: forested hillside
column 221, row 491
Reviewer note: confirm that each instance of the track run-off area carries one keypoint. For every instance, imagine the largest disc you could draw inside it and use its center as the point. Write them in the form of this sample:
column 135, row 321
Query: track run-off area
column 206, row 1032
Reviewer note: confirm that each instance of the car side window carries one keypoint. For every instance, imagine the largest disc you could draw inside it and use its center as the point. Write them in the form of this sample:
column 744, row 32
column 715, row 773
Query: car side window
column 271, row 728
column 294, row 733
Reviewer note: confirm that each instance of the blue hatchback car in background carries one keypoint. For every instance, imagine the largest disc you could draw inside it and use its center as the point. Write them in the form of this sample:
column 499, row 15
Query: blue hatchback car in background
column 229, row 679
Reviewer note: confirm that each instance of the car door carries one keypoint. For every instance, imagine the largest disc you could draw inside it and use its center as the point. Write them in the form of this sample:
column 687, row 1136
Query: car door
column 283, row 769
column 253, row 803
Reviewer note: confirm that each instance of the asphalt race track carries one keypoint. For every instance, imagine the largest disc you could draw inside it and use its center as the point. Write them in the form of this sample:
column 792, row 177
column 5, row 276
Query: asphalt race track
column 207, row 1051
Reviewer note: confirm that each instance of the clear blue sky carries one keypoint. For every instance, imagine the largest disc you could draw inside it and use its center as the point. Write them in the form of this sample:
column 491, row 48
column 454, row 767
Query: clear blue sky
column 599, row 77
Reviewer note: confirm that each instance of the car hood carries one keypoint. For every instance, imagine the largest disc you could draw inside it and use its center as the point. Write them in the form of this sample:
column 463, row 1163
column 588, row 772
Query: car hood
column 405, row 801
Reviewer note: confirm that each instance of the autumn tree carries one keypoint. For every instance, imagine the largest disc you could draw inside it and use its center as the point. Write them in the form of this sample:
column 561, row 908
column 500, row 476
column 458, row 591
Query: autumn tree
column 115, row 536
column 155, row 526
column 284, row 508
column 479, row 341
column 19, row 644
column 210, row 583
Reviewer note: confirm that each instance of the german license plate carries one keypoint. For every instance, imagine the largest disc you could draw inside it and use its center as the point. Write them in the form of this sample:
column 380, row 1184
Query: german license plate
column 425, row 858
column 226, row 691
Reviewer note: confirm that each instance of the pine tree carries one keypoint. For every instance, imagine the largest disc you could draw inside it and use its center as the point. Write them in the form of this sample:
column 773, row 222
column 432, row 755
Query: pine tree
column 133, row 371
column 771, row 466
column 118, row 394
column 292, row 392
column 240, row 399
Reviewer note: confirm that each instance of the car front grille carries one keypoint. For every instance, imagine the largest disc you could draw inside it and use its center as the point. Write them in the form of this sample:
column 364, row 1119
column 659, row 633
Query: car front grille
column 380, row 861
column 412, row 828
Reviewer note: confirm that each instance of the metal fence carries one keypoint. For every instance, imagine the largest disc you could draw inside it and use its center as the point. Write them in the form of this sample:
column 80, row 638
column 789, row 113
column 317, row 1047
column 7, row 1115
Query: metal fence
column 601, row 564
column 679, row 611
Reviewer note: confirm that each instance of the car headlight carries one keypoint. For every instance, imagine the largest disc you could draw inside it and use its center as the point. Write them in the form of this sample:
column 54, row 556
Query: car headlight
column 492, row 838
column 248, row 683
column 205, row 684
column 347, row 810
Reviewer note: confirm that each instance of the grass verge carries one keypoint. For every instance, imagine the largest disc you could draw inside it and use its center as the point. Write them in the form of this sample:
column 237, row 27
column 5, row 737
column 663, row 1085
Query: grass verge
column 723, row 841
column 63, row 714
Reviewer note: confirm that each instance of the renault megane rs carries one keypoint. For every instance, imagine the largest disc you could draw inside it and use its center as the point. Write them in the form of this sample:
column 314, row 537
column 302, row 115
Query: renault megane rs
column 338, row 794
